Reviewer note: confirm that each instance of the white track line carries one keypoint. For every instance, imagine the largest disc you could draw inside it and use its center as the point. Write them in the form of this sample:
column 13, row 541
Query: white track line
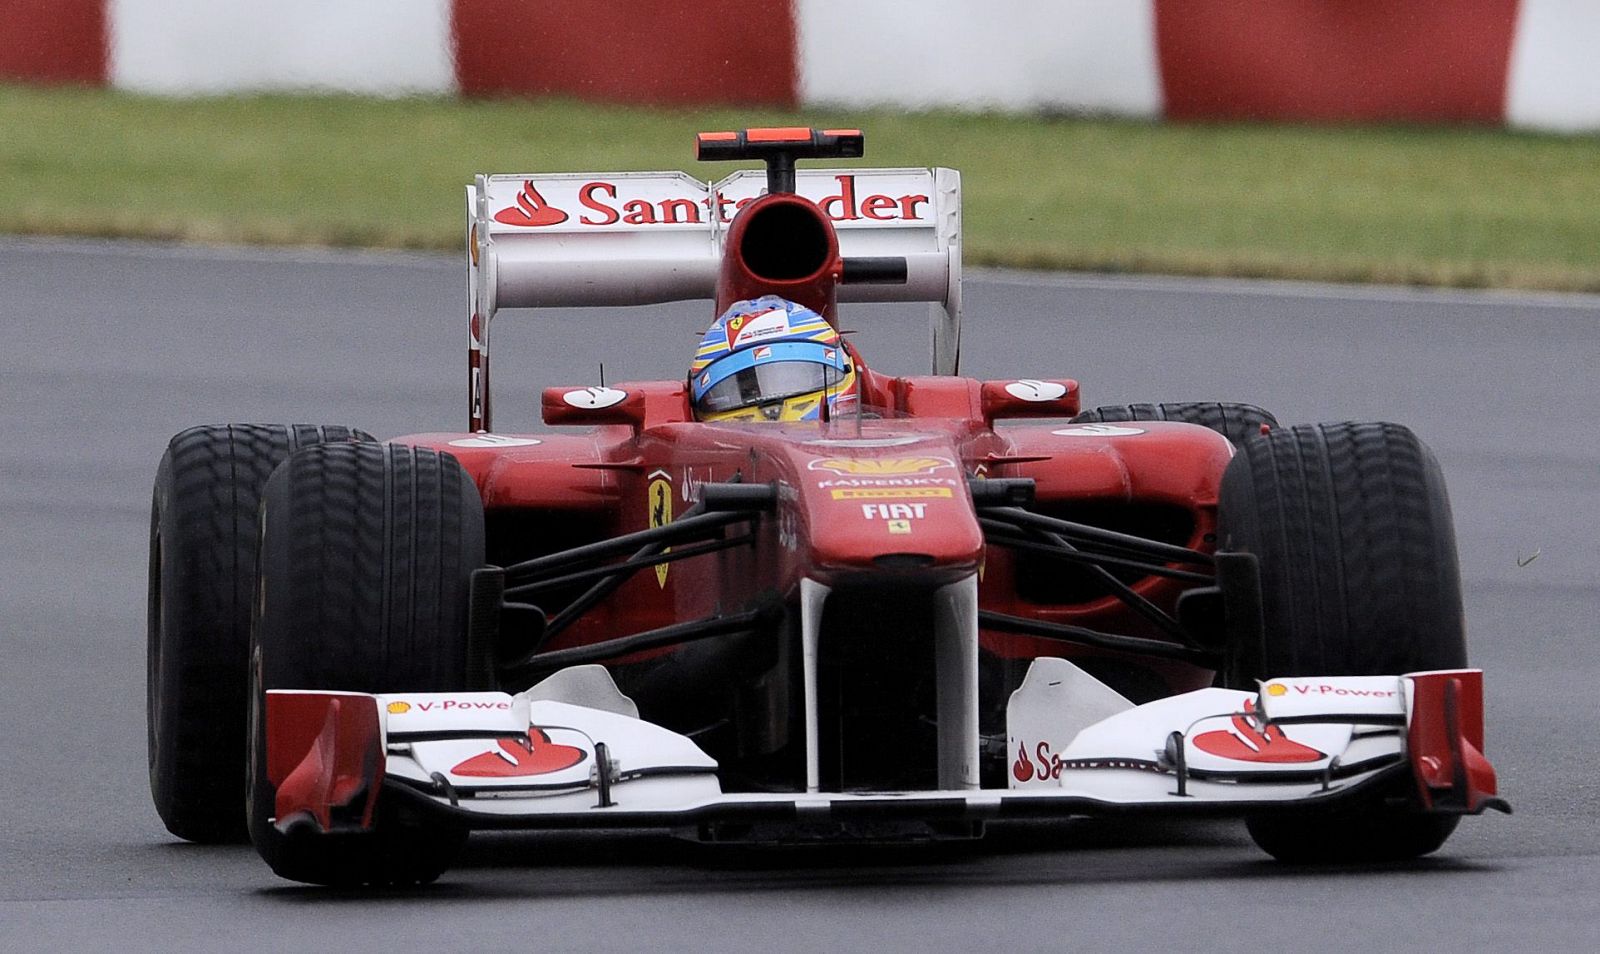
column 1283, row 288
column 308, row 255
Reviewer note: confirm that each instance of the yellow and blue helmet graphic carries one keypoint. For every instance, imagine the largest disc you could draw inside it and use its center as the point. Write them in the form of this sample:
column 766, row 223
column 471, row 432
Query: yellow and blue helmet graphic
column 770, row 359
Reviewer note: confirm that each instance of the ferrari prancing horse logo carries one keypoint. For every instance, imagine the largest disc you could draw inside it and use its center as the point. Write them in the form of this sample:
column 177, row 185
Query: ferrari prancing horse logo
column 661, row 515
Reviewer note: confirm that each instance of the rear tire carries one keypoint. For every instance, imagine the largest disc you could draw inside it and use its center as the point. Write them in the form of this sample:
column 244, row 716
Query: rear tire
column 1351, row 526
column 366, row 557
column 202, row 572
column 1237, row 422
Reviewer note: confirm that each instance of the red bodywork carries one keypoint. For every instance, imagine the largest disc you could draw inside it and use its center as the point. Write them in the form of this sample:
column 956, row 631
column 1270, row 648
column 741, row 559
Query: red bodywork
column 856, row 496
column 601, row 482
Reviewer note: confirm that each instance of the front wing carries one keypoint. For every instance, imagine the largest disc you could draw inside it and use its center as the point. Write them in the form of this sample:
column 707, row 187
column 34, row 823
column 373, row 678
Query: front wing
column 491, row 760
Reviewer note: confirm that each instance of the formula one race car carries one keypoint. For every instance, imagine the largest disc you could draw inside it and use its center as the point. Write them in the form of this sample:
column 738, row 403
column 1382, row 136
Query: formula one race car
column 791, row 598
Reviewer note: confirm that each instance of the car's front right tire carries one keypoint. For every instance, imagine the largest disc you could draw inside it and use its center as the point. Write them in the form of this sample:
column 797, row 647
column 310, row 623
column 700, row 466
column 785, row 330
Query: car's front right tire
column 366, row 556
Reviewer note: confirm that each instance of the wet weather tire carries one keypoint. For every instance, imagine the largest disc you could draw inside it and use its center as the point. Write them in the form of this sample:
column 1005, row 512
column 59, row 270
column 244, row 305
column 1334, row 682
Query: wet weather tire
column 1351, row 526
column 1237, row 422
column 366, row 557
column 202, row 574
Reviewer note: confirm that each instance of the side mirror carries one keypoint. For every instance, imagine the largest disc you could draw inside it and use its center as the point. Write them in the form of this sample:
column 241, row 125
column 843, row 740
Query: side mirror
column 1029, row 398
column 592, row 405
column 637, row 404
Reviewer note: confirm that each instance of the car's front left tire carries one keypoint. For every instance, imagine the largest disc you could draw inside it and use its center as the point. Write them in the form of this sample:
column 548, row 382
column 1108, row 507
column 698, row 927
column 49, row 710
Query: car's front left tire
column 1351, row 528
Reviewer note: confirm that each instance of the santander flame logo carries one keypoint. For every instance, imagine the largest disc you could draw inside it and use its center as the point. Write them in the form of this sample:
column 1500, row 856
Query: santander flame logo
column 531, row 209
column 535, row 755
column 1022, row 768
column 1251, row 741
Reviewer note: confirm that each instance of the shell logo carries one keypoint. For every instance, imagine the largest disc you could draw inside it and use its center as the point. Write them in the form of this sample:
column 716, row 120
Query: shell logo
column 398, row 708
column 1276, row 689
column 881, row 466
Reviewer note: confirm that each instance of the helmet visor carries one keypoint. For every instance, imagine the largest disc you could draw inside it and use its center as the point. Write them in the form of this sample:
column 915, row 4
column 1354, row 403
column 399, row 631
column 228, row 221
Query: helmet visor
column 772, row 381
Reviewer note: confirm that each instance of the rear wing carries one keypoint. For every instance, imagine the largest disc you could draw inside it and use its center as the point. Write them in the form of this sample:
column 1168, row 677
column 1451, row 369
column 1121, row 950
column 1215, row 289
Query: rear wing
column 639, row 238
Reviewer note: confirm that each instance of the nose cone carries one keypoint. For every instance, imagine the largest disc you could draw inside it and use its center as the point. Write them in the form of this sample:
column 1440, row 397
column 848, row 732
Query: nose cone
column 875, row 504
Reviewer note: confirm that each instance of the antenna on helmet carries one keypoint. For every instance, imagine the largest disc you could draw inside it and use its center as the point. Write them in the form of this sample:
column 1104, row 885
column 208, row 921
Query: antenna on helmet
column 850, row 360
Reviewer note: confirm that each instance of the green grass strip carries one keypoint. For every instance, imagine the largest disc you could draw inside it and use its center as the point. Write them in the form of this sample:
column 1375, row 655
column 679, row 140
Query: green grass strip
column 1464, row 207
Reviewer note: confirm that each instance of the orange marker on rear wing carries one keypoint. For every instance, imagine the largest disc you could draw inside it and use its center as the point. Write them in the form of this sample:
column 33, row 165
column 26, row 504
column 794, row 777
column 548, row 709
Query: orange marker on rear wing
column 779, row 147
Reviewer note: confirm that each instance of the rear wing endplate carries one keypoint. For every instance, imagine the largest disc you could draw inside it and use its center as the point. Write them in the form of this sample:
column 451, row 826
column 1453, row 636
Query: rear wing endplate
column 639, row 238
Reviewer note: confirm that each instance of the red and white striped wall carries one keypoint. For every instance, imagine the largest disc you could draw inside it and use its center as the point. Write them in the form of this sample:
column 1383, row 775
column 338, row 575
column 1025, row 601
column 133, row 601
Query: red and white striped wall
column 1528, row 63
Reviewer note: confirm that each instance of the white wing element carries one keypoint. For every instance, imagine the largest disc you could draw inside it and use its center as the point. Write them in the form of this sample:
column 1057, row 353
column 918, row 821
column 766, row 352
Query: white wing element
column 1063, row 724
column 637, row 238
column 569, row 754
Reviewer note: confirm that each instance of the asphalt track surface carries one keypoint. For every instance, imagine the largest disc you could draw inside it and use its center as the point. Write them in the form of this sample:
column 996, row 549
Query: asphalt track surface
column 110, row 348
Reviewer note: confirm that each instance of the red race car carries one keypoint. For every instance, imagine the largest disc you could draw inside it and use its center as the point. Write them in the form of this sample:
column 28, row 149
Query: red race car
column 789, row 597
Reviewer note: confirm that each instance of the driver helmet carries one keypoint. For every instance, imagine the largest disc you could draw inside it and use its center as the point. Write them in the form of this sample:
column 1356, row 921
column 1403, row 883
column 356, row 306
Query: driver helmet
column 771, row 359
